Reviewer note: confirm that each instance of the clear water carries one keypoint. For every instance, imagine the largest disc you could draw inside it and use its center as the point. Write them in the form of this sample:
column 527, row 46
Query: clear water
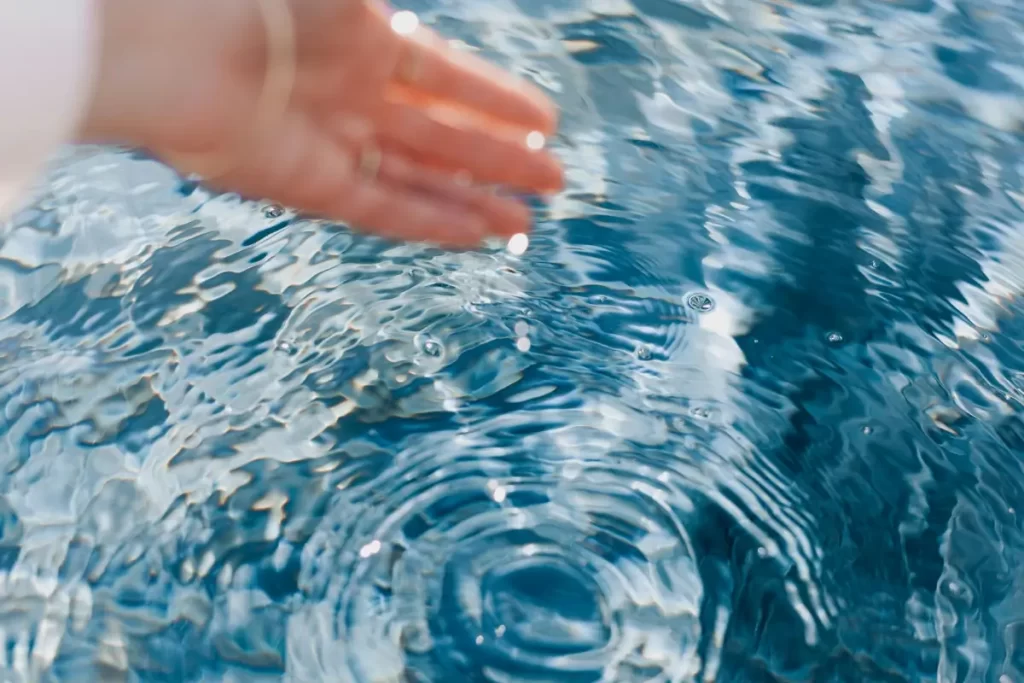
column 748, row 409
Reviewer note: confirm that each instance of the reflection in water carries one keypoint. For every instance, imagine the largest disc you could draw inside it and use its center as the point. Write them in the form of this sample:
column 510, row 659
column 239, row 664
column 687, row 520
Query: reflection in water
column 746, row 409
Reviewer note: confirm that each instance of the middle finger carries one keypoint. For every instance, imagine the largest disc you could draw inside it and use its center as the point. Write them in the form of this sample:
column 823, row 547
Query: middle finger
column 490, row 157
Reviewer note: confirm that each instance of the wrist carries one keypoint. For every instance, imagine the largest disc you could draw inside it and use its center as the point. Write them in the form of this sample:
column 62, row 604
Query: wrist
column 156, row 76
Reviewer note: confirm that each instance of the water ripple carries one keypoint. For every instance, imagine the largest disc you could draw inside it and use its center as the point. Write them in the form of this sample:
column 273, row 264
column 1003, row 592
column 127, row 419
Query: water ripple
column 748, row 409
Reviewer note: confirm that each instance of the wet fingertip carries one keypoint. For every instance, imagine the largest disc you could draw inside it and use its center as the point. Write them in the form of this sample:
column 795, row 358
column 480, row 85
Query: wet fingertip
column 469, row 232
column 510, row 224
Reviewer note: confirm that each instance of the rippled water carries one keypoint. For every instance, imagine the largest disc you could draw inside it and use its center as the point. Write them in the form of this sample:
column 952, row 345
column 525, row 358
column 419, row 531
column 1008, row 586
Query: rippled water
column 748, row 409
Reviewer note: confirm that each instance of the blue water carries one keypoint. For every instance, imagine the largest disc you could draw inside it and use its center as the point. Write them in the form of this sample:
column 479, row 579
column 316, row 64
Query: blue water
column 747, row 410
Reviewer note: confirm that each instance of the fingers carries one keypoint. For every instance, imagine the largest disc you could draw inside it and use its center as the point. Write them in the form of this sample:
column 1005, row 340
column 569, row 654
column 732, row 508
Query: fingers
column 398, row 213
column 490, row 157
column 301, row 166
column 428, row 66
column 505, row 216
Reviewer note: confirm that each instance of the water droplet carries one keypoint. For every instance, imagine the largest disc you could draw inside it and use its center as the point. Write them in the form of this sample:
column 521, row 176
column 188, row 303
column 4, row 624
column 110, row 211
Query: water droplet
column 867, row 429
column 1005, row 679
column 273, row 211
column 957, row 589
column 404, row 23
column 429, row 346
column 535, row 140
column 287, row 347
column 644, row 353
column 370, row 549
column 522, row 328
column 834, row 338
column 479, row 640
column 523, row 344
column 700, row 301
column 518, row 244
column 874, row 264
column 762, row 551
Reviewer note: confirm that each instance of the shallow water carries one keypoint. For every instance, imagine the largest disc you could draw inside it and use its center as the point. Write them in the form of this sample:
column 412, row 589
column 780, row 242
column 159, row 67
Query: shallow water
column 748, row 409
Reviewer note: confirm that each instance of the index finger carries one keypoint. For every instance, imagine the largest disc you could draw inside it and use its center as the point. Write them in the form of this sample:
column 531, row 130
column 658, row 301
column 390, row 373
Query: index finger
column 430, row 67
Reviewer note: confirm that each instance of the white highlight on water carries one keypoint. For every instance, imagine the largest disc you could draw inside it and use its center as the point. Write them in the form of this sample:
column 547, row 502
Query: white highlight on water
column 370, row 549
column 405, row 22
column 518, row 244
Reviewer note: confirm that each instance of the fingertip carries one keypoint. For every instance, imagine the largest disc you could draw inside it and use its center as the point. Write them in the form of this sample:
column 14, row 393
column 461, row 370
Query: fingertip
column 510, row 217
column 550, row 176
column 466, row 233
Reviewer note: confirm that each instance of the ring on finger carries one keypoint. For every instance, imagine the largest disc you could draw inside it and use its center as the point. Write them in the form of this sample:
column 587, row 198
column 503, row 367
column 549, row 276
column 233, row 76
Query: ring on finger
column 369, row 162
column 410, row 65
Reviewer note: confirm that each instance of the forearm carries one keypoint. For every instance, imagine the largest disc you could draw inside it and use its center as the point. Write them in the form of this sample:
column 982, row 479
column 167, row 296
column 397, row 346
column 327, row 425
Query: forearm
column 48, row 63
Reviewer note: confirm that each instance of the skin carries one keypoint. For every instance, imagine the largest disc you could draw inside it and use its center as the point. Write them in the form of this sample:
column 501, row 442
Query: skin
column 182, row 79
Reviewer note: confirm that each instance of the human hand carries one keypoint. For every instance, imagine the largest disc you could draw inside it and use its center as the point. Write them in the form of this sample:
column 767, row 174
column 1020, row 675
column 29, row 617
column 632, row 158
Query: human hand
column 392, row 132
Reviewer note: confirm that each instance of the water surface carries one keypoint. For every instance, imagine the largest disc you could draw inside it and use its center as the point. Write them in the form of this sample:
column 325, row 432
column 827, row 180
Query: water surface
column 747, row 410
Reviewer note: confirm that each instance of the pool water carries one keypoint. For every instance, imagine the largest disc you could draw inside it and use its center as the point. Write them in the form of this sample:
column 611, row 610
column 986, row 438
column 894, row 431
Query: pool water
column 748, row 408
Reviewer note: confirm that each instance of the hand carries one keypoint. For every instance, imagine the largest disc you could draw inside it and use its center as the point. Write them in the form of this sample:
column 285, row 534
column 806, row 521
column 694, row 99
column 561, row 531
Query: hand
column 396, row 134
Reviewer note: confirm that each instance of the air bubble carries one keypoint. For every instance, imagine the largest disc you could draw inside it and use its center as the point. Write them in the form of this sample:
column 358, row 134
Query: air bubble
column 700, row 302
column 429, row 346
column 535, row 140
column 959, row 591
column 834, row 338
column 523, row 344
column 701, row 413
column 522, row 328
column 273, row 211
column 644, row 353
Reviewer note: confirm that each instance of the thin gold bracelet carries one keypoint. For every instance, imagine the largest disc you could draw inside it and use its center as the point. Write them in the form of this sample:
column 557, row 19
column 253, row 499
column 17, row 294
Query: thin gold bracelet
column 278, row 85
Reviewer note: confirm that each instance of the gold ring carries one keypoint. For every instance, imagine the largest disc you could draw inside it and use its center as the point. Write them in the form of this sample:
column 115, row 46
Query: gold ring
column 278, row 84
column 410, row 68
column 369, row 163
